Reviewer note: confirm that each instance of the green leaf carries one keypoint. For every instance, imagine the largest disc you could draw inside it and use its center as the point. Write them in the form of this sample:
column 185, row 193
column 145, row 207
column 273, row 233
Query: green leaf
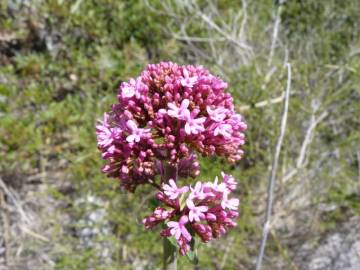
column 192, row 257
column 154, row 203
column 173, row 241
column 192, row 254
column 182, row 201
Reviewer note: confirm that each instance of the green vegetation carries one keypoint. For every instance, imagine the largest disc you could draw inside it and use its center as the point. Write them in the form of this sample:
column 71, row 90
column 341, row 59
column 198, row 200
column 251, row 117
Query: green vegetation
column 60, row 66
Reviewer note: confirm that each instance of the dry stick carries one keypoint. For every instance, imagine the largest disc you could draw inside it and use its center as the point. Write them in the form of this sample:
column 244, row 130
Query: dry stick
column 16, row 203
column 272, row 178
column 308, row 137
column 275, row 34
column 226, row 254
column 262, row 103
column 358, row 158
column 34, row 234
column 300, row 163
column 5, row 219
column 217, row 28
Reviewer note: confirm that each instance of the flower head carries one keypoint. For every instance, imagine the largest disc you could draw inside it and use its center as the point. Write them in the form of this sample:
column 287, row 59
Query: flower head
column 209, row 212
column 169, row 112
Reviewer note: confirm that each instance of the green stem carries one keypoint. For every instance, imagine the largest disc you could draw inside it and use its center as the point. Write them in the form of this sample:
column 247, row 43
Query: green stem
column 169, row 250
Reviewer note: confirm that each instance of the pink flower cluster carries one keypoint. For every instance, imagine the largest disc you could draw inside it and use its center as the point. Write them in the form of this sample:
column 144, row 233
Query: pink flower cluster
column 166, row 114
column 204, row 210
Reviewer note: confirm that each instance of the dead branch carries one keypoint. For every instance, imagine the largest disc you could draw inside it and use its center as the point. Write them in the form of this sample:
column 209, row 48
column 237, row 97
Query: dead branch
column 5, row 219
column 262, row 103
column 272, row 177
column 18, row 206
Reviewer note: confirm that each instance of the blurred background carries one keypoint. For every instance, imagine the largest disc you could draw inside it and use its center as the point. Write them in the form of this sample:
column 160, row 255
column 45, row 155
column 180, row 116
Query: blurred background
column 61, row 63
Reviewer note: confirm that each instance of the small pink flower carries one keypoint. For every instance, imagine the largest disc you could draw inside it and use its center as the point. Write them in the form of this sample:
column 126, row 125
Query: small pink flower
column 231, row 204
column 106, row 134
column 229, row 181
column 188, row 81
column 197, row 192
column 179, row 112
column 178, row 228
column 218, row 115
column 224, row 130
column 136, row 133
column 140, row 88
column 221, row 188
column 128, row 89
column 159, row 215
column 196, row 212
column 193, row 126
column 172, row 191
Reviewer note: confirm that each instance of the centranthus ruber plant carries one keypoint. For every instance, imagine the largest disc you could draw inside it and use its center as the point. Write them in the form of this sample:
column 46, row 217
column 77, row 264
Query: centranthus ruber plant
column 152, row 135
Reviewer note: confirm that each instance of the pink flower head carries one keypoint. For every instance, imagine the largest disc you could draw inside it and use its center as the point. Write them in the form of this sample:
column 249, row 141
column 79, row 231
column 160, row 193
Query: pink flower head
column 178, row 228
column 209, row 211
column 172, row 191
column 169, row 112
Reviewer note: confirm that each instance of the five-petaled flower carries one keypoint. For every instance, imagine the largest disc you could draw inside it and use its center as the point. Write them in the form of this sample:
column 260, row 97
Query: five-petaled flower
column 196, row 212
column 178, row 229
column 188, row 81
column 218, row 114
column 231, row 204
column 172, row 191
column 179, row 112
column 193, row 125
column 136, row 133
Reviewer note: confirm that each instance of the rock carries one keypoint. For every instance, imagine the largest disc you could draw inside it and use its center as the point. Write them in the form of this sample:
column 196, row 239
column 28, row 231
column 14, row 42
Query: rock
column 339, row 250
column 93, row 226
